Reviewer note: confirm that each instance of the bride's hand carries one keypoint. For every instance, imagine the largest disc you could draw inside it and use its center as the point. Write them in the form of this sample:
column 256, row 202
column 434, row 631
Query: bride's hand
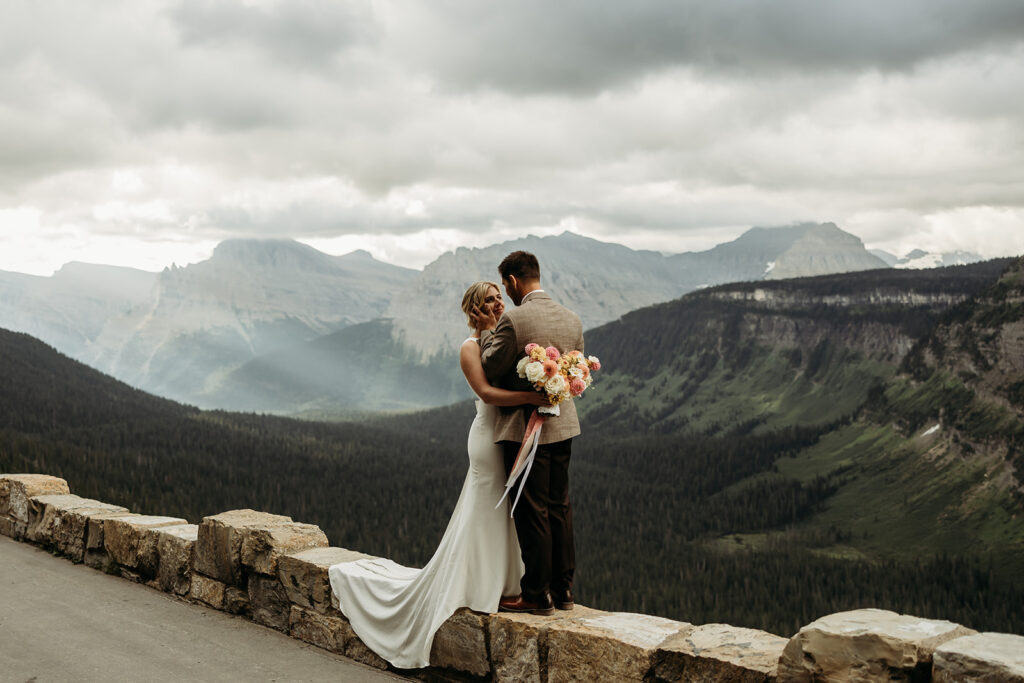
column 483, row 319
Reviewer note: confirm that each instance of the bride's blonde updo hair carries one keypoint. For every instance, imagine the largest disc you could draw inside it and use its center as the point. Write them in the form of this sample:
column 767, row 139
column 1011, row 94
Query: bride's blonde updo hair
column 475, row 296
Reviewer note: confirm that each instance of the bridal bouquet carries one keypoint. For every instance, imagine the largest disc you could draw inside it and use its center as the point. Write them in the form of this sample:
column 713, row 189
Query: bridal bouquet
column 559, row 376
column 562, row 377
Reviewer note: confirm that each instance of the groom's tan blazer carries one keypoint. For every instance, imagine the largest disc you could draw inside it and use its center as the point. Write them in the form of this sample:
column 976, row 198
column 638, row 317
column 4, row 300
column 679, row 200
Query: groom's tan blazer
column 539, row 320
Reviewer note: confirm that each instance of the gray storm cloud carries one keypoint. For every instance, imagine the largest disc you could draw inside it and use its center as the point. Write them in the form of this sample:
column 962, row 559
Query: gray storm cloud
column 321, row 119
column 582, row 46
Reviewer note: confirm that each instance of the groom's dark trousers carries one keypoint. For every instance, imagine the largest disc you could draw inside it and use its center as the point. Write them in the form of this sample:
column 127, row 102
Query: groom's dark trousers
column 544, row 519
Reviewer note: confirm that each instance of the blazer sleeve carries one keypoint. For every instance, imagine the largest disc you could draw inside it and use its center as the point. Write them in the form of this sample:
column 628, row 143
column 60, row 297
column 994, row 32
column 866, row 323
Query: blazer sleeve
column 498, row 350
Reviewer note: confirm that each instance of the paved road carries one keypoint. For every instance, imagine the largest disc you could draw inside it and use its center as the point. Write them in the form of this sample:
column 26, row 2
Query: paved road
column 65, row 622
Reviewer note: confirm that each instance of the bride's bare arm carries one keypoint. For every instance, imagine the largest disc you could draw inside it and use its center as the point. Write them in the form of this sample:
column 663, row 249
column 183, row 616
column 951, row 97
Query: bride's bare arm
column 469, row 359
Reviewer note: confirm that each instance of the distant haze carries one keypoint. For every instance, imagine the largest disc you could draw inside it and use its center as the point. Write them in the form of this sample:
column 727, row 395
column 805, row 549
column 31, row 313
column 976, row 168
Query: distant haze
column 144, row 132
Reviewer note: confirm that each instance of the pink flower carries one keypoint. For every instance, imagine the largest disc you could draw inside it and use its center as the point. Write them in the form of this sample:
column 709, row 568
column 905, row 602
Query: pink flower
column 594, row 363
column 530, row 347
column 553, row 353
column 550, row 368
column 576, row 386
column 586, row 370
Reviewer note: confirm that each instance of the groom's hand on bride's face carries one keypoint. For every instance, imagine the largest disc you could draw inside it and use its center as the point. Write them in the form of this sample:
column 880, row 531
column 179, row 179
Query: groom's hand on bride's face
column 483, row 320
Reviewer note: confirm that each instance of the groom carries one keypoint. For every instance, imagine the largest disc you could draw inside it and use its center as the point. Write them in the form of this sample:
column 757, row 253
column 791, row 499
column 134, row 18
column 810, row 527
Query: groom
column 543, row 517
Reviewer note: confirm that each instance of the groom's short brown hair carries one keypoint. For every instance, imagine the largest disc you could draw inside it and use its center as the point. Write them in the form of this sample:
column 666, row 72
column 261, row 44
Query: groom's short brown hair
column 520, row 264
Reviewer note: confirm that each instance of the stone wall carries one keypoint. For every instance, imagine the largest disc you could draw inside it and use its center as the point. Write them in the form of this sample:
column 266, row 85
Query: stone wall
column 273, row 570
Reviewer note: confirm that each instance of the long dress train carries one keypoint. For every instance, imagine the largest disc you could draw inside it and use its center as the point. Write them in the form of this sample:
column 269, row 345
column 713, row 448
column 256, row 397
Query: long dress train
column 397, row 610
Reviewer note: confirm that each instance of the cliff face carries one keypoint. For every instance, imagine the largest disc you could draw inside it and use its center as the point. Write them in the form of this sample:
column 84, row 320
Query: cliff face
column 802, row 351
column 964, row 384
column 251, row 298
column 983, row 344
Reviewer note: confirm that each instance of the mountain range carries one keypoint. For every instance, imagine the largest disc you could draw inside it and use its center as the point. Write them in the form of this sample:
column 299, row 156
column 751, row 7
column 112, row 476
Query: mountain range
column 408, row 359
column 265, row 325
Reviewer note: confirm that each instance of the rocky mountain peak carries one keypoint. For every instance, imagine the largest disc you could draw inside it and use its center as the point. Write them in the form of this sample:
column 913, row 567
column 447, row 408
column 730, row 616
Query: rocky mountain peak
column 269, row 253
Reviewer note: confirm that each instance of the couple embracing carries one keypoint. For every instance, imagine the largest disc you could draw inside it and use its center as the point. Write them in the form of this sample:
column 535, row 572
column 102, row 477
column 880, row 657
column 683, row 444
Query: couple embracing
column 485, row 561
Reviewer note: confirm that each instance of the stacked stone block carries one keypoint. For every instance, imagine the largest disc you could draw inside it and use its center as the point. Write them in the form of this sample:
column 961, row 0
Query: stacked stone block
column 275, row 571
column 15, row 492
column 61, row 521
column 133, row 541
column 236, row 558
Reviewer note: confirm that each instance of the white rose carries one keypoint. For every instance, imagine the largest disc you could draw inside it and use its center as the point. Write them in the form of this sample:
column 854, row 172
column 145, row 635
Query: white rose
column 575, row 371
column 521, row 367
column 534, row 371
column 555, row 386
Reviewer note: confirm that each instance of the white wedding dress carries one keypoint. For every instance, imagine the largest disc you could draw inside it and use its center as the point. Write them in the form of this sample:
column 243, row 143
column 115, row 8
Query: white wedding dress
column 397, row 610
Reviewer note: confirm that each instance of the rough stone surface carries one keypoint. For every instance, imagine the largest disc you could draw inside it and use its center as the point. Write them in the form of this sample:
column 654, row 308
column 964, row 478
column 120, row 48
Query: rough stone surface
column 208, row 591
column 461, row 644
column 866, row 644
column 219, row 544
column 981, row 658
column 718, row 652
column 304, row 575
column 133, row 543
column 16, row 489
column 519, row 642
column 357, row 650
column 614, row 647
column 236, row 601
column 261, row 547
column 331, row 632
column 269, row 602
column 60, row 520
column 94, row 528
column 72, row 534
column 175, row 545
column 322, row 630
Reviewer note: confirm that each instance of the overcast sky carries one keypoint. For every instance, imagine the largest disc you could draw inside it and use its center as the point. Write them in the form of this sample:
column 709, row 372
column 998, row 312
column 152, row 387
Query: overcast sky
column 144, row 132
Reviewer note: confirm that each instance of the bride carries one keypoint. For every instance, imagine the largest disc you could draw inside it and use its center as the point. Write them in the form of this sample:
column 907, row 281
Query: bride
column 397, row 610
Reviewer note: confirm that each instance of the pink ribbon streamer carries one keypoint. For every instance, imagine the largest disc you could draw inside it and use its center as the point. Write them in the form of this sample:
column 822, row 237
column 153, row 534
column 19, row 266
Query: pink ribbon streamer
column 524, row 459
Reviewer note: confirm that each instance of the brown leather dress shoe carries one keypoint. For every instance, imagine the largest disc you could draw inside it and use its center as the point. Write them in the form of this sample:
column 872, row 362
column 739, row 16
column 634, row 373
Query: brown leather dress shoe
column 563, row 599
column 542, row 608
